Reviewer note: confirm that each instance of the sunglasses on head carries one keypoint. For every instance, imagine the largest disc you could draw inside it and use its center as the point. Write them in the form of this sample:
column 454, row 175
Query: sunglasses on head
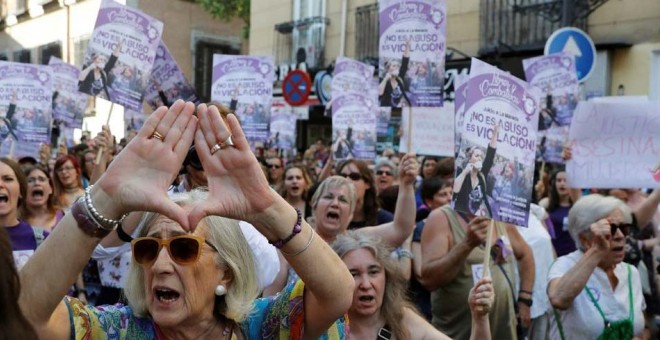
column 353, row 176
column 624, row 227
column 183, row 249
column 383, row 172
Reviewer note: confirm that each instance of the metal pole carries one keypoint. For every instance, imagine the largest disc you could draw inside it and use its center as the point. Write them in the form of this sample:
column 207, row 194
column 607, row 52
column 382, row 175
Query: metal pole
column 342, row 34
column 567, row 13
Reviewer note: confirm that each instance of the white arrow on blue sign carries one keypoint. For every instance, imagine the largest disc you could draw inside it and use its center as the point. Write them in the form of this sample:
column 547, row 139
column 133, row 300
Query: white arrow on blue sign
column 577, row 42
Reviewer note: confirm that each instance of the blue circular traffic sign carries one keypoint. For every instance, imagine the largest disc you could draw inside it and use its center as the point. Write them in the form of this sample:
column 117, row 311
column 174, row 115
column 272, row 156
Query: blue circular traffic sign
column 574, row 41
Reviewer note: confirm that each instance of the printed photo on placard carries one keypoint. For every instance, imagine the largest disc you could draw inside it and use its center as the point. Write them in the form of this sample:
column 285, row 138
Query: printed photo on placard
column 168, row 83
column 496, row 158
column 120, row 55
column 412, row 52
column 26, row 92
column 353, row 128
column 69, row 105
column 245, row 85
column 556, row 77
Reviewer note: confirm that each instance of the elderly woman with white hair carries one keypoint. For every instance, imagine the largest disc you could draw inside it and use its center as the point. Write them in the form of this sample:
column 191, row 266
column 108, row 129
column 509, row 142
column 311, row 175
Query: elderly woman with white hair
column 593, row 292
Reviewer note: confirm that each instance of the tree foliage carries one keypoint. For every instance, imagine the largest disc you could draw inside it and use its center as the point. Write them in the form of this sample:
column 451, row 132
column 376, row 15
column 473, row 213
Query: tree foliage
column 228, row 10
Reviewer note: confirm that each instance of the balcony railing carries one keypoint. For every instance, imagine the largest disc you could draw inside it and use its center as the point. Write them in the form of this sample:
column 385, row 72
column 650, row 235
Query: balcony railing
column 301, row 40
column 524, row 25
column 366, row 34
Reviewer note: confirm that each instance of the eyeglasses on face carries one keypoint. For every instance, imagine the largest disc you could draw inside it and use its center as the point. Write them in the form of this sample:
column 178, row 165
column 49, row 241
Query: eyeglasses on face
column 383, row 173
column 183, row 249
column 65, row 168
column 355, row 176
column 624, row 227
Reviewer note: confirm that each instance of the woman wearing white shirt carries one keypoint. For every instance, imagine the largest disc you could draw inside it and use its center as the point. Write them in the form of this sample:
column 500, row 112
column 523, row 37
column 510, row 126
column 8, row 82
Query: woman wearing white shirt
column 595, row 294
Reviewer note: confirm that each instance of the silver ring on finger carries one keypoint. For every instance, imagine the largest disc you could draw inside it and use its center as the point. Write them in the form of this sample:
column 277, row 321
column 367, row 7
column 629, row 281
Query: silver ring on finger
column 227, row 142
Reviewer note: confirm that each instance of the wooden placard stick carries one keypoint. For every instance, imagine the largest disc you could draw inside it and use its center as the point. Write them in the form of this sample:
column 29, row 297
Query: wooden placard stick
column 410, row 130
column 99, row 154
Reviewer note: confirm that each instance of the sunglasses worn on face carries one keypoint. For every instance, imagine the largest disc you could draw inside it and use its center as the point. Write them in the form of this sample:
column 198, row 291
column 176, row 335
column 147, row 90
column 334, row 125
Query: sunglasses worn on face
column 383, row 173
column 353, row 176
column 184, row 249
column 273, row 166
column 624, row 227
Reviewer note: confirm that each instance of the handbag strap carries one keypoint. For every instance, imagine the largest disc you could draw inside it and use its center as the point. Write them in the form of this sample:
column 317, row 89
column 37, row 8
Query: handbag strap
column 630, row 299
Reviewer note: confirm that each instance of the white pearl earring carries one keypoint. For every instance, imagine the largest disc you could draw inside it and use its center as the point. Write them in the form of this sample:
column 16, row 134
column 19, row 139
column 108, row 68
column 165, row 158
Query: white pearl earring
column 220, row 290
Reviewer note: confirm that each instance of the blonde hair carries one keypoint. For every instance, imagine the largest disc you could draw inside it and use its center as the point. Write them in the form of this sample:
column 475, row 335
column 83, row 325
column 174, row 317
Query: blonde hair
column 234, row 253
column 334, row 182
column 394, row 297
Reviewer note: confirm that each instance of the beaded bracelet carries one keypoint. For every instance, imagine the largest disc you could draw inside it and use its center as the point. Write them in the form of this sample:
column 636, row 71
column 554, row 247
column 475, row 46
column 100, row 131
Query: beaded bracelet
column 296, row 230
column 105, row 222
column 86, row 221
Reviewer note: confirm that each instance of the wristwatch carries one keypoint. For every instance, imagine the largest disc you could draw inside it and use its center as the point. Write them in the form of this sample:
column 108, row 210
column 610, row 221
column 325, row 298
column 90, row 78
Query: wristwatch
column 528, row 302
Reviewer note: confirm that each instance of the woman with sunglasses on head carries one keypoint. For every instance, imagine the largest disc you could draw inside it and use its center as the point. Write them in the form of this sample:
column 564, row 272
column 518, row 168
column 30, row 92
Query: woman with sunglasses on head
column 40, row 206
column 192, row 274
column 593, row 292
column 380, row 308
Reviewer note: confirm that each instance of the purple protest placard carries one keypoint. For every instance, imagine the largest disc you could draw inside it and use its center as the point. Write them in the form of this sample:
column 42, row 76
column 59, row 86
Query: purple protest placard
column 17, row 150
column 120, row 55
column 167, row 83
column 26, row 92
column 351, row 77
column 495, row 163
column 353, row 127
column 246, row 84
column 133, row 121
column 283, row 128
column 69, row 105
column 554, row 75
column 412, row 52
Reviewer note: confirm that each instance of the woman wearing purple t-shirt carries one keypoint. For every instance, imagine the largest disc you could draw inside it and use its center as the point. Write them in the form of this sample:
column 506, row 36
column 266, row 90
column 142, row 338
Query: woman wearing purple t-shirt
column 558, row 203
column 13, row 189
column 39, row 208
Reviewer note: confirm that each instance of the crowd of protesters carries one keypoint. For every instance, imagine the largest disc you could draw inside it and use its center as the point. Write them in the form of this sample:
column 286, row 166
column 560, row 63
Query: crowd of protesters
column 583, row 267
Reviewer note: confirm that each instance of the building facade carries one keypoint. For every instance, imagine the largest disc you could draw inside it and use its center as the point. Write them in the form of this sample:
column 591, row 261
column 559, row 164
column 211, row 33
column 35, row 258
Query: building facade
column 502, row 32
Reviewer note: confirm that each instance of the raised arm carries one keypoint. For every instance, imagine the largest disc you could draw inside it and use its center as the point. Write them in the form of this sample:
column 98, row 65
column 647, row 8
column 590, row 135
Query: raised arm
column 525, row 259
column 644, row 213
column 103, row 142
column 397, row 231
column 441, row 257
column 563, row 290
column 234, row 169
column 136, row 181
